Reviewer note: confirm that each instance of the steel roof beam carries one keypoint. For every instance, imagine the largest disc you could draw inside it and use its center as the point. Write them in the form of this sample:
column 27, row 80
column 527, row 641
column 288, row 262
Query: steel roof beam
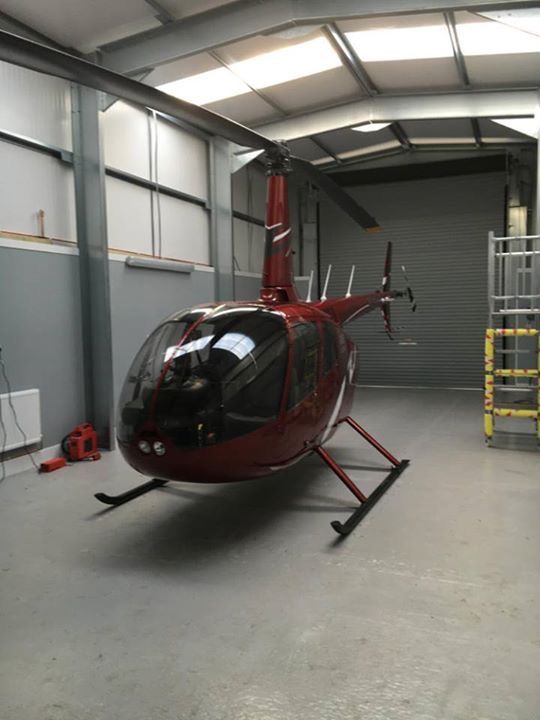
column 268, row 100
column 19, row 51
column 392, row 108
column 245, row 18
column 461, row 67
column 459, row 60
column 351, row 61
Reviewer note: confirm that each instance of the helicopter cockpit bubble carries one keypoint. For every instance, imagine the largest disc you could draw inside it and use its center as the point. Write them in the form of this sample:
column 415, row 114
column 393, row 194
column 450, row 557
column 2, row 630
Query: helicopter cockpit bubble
column 201, row 382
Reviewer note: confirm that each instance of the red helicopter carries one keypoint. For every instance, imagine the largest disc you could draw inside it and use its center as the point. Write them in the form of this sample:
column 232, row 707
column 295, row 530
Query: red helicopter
column 237, row 390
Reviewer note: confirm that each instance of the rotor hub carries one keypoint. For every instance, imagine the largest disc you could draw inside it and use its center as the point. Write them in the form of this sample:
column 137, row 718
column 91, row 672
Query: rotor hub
column 278, row 159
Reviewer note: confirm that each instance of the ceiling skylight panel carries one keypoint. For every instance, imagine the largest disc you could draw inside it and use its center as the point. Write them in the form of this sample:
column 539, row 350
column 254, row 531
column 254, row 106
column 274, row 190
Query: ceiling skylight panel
column 287, row 63
column 409, row 43
column 494, row 38
column 527, row 19
column 207, row 87
column 527, row 126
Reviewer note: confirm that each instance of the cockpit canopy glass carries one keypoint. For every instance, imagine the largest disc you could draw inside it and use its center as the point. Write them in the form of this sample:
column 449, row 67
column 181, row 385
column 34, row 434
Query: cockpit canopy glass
column 201, row 383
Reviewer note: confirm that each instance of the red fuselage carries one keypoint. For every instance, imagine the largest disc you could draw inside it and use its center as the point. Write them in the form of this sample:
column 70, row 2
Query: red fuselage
column 234, row 391
column 297, row 428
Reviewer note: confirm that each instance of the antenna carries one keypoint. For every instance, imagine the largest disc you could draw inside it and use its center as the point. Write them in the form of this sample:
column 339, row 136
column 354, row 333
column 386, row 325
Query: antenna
column 310, row 285
column 328, row 273
column 353, row 267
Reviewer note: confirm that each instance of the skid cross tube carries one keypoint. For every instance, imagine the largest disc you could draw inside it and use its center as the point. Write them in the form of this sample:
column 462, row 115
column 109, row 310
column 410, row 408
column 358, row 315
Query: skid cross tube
column 130, row 494
column 366, row 502
column 371, row 440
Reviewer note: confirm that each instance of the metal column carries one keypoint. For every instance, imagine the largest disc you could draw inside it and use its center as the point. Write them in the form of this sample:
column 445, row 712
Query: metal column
column 221, row 230
column 537, row 208
column 93, row 262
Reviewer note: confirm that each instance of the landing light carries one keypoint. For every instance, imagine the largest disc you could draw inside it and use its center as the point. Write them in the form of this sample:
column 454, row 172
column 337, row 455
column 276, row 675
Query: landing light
column 144, row 447
column 159, row 448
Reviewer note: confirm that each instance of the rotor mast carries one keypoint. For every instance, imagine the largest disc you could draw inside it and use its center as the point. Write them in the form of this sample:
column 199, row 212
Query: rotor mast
column 278, row 270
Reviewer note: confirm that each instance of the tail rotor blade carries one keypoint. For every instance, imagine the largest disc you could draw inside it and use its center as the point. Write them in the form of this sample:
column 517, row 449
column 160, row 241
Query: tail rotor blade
column 409, row 290
column 387, row 320
column 387, row 268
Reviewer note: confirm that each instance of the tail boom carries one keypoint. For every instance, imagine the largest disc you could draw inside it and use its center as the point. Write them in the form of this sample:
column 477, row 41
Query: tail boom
column 346, row 309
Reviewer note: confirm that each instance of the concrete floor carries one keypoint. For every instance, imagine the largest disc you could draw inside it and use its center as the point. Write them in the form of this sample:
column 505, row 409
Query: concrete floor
column 237, row 603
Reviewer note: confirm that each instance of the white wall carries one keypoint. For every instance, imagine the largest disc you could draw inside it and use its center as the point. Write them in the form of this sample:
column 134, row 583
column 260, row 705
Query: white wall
column 125, row 139
column 39, row 286
column 139, row 219
column 249, row 198
column 248, row 246
column 31, row 181
column 35, row 105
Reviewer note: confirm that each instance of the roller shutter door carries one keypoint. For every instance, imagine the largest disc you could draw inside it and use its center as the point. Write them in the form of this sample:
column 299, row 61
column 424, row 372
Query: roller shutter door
column 439, row 230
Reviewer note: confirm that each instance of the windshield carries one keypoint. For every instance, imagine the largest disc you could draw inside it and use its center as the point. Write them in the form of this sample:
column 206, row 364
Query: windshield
column 134, row 402
column 222, row 379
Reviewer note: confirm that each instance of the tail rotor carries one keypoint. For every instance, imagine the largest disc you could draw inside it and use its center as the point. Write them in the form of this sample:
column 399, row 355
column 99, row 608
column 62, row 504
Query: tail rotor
column 408, row 290
column 385, row 288
column 391, row 294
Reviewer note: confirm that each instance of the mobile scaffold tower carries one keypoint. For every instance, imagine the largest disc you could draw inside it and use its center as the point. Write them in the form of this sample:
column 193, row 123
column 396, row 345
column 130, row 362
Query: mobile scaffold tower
column 512, row 342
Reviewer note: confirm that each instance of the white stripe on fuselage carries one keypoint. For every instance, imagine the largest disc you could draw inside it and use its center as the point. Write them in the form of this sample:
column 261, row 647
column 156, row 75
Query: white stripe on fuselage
column 339, row 401
column 281, row 235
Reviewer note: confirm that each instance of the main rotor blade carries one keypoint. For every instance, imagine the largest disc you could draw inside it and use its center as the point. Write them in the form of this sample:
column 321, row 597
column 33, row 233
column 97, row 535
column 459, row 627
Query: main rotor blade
column 41, row 58
column 337, row 194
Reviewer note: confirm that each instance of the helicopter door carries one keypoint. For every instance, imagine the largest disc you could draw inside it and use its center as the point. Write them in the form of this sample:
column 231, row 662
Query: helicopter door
column 303, row 401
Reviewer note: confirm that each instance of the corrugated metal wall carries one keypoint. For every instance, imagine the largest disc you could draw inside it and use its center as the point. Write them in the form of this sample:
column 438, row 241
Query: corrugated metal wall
column 439, row 231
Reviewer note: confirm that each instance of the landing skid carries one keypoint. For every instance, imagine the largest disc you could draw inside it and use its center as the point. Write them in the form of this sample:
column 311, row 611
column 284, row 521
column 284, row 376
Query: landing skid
column 366, row 502
column 130, row 494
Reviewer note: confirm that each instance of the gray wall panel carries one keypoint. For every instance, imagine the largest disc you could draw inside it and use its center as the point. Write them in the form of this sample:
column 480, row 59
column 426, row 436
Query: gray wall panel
column 439, row 229
column 40, row 324
column 246, row 288
column 40, row 334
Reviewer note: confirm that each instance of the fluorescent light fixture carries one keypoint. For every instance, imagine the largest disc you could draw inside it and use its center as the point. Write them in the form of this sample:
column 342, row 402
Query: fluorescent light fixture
column 494, row 38
column 413, row 43
column 371, row 127
column 207, row 87
column 287, row 63
column 158, row 264
column 526, row 126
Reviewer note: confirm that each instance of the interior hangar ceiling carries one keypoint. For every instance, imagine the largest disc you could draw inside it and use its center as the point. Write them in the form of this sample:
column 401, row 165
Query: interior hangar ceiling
column 479, row 63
